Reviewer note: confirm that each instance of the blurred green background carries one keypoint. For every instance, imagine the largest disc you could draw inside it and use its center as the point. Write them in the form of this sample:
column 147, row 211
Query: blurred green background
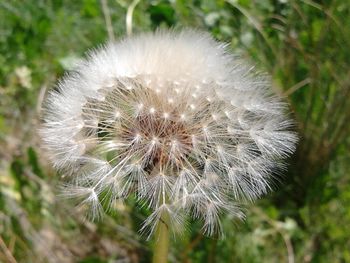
column 303, row 44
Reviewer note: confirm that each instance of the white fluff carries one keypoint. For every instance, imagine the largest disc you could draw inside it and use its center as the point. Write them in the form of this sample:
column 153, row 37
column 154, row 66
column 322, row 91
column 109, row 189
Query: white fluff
column 173, row 118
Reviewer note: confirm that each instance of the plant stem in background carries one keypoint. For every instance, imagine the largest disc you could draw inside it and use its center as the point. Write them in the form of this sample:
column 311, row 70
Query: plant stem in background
column 108, row 20
column 129, row 15
column 7, row 252
column 161, row 245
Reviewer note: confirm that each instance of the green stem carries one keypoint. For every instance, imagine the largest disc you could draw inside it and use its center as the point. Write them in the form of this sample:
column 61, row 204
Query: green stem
column 161, row 245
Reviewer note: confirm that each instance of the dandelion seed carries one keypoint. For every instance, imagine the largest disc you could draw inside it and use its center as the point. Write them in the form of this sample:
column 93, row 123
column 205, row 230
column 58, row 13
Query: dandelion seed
column 181, row 124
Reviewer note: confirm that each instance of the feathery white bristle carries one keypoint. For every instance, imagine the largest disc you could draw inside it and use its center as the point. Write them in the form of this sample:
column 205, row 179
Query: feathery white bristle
column 172, row 118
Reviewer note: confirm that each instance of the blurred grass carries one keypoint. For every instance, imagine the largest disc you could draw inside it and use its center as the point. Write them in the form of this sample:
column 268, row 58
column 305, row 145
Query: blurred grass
column 303, row 44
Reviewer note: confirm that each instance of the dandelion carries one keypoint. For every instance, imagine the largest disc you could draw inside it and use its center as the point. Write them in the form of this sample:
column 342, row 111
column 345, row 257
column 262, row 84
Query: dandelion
column 173, row 119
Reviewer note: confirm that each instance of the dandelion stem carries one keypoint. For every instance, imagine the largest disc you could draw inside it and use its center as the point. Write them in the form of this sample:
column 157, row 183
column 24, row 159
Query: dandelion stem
column 161, row 245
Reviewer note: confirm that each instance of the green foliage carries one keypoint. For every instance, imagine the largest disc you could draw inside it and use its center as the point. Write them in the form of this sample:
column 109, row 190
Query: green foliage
column 304, row 45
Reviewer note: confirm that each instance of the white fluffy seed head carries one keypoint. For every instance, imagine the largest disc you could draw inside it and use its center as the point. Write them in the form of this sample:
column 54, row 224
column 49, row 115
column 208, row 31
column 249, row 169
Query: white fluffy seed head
column 173, row 118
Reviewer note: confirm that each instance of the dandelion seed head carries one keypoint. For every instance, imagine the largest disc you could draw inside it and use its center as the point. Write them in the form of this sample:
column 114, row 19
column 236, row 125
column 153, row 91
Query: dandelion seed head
column 172, row 118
